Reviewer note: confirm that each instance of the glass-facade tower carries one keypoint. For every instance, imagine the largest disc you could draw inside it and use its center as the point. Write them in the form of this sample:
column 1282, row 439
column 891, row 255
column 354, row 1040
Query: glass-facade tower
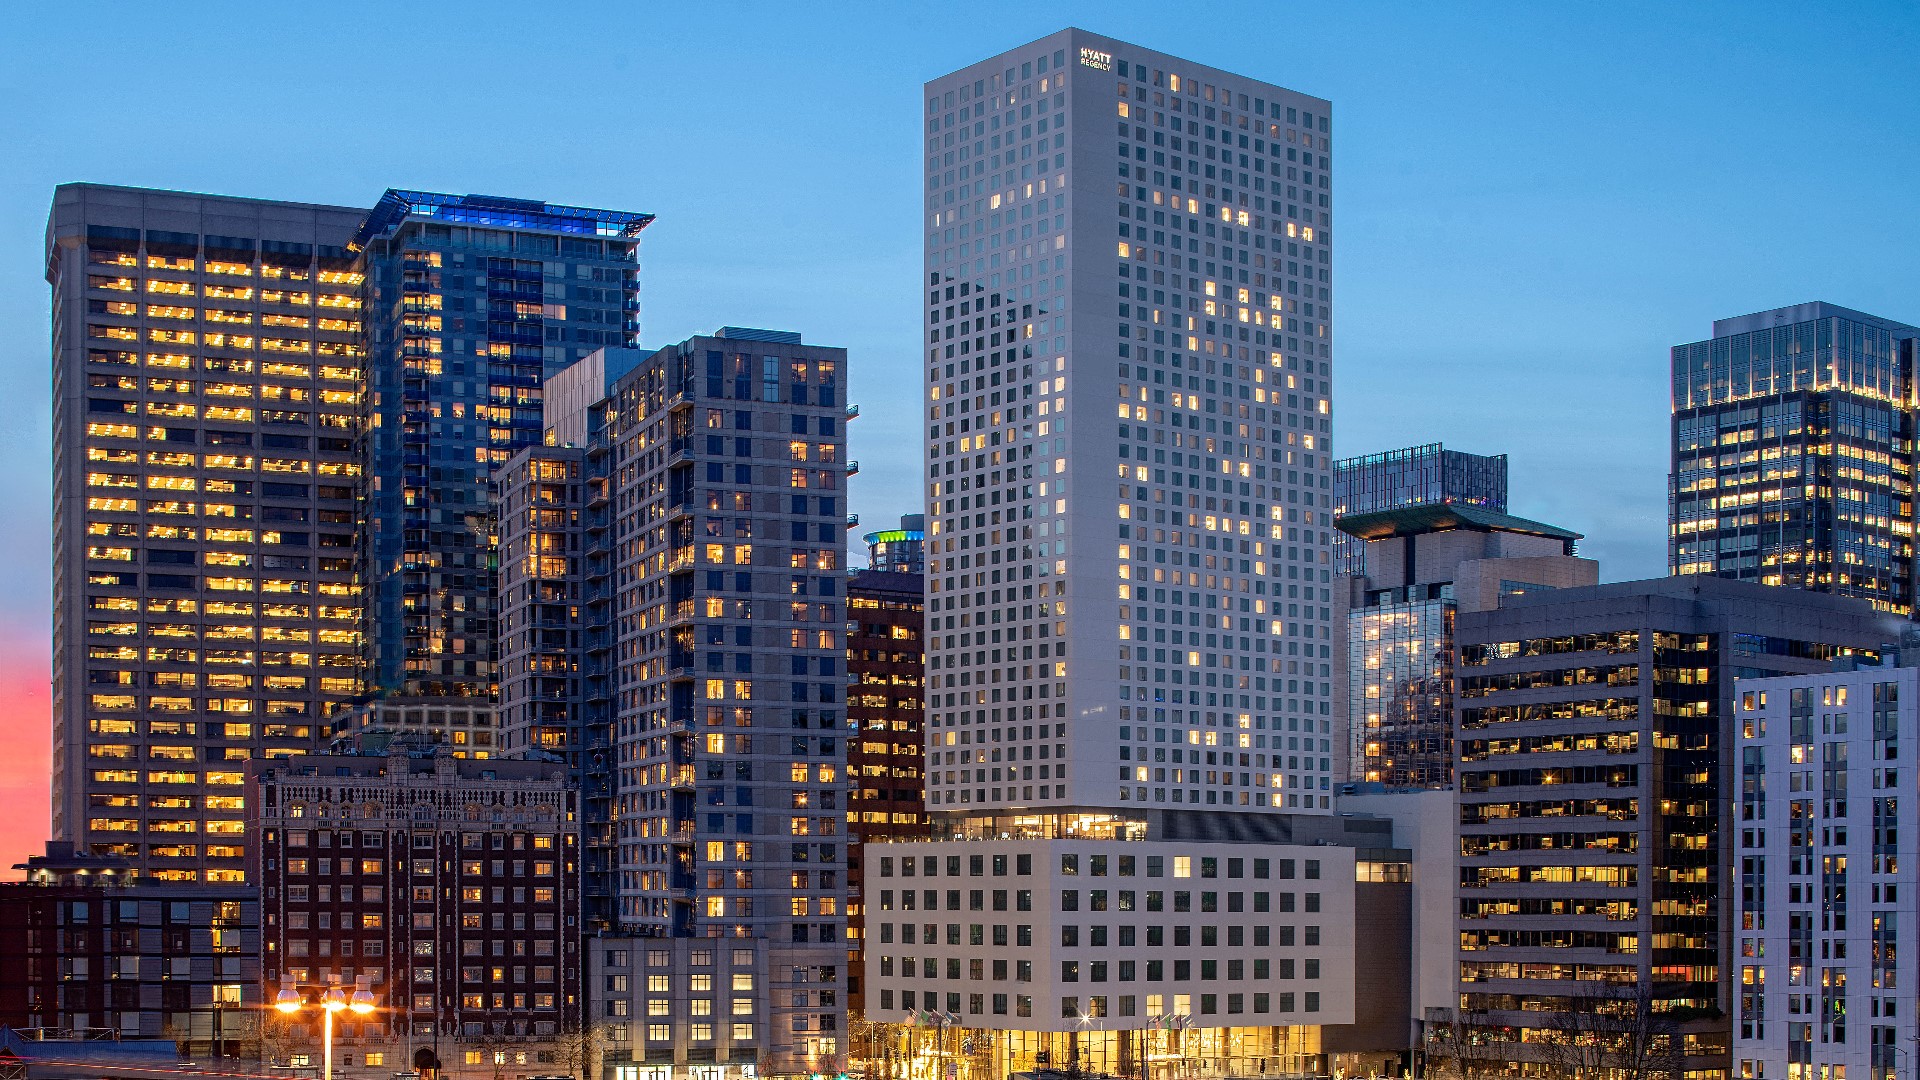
column 1425, row 475
column 473, row 301
column 1793, row 453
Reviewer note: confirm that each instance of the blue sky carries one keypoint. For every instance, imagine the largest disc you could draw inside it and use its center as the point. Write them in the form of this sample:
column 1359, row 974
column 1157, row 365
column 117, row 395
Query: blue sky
column 1532, row 201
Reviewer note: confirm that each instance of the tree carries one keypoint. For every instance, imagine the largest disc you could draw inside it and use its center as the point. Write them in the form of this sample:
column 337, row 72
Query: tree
column 579, row 1046
column 276, row 1038
column 1605, row 1031
column 1465, row 1044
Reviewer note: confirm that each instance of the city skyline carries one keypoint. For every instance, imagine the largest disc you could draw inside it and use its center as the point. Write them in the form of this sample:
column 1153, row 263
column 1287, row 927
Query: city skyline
column 1564, row 472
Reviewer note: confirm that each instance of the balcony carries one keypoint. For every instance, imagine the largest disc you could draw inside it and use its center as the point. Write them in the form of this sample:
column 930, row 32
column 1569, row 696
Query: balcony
column 853, row 468
column 853, row 521
column 853, row 411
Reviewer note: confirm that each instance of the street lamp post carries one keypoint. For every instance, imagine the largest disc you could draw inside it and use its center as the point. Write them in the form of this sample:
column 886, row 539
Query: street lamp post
column 331, row 1000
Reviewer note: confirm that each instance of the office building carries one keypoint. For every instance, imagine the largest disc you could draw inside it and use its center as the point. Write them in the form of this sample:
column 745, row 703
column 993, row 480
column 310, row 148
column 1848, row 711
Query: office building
column 1824, row 987
column 902, row 550
column 208, row 371
column 1422, row 564
column 92, row 950
column 451, row 886
column 1596, row 740
column 712, row 514
column 472, row 302
column 1793, row 447
column 886, row 739
column 1129, row 617
column 1425, row 475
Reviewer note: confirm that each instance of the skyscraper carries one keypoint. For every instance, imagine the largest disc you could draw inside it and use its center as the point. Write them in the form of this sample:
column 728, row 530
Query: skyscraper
column 1197, row 587
column 208, row 370
column 711, row 646
column 1129, row 611
column 473, row 301
column 1793, row 453
column 1425, row 475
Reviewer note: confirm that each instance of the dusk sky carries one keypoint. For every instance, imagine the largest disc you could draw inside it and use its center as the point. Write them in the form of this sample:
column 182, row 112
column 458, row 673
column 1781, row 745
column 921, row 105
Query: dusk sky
column 1532, row 201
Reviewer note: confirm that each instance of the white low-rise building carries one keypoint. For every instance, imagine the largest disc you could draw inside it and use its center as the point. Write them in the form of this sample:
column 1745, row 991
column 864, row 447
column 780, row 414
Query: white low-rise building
column 1040, row 947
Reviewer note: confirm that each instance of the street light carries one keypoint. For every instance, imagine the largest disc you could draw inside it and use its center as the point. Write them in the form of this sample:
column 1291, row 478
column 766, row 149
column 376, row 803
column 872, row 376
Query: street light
column 290, row 1001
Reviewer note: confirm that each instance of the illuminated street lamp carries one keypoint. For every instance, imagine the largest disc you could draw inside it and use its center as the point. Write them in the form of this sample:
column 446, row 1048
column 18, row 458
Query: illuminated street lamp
column 332, row 1000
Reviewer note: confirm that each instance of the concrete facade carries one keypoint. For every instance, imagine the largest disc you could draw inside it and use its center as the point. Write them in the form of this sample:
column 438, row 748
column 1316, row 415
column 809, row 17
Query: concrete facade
column 1823, row 985
column 1596, row 744
column 1195, row 595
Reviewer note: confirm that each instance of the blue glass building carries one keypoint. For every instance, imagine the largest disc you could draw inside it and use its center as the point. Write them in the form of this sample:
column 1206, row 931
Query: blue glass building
column 1793, row 453
column 471, row 301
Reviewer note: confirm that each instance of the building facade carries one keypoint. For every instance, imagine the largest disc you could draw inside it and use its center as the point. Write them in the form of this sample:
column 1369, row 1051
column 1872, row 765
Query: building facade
column 902, row 550
column 89, row 949
column 556, row 606
column 886, row 738
column 1421, row 565
column 1595, row 739
column 1217, row 589
column 1793, row 448
column 473, row 301
column 208, row 373
column 712, row 595
column 450, row 884
column 1426, row 475
column 1129, row 621
column 1824, row 988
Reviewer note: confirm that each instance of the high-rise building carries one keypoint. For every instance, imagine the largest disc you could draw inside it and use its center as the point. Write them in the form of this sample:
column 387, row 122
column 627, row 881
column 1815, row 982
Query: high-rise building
column 208, row 372
column 899, row 551
column 886, row 740
column 1129, row 619
column 556, row 606
column 1423, row 564
column 473, row 301
column 1213, row 609
column 1793, row 451
column 709, row 577
column 1596, row 743
column 1426, row 475
column 1823, row 985
column 449, row 886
